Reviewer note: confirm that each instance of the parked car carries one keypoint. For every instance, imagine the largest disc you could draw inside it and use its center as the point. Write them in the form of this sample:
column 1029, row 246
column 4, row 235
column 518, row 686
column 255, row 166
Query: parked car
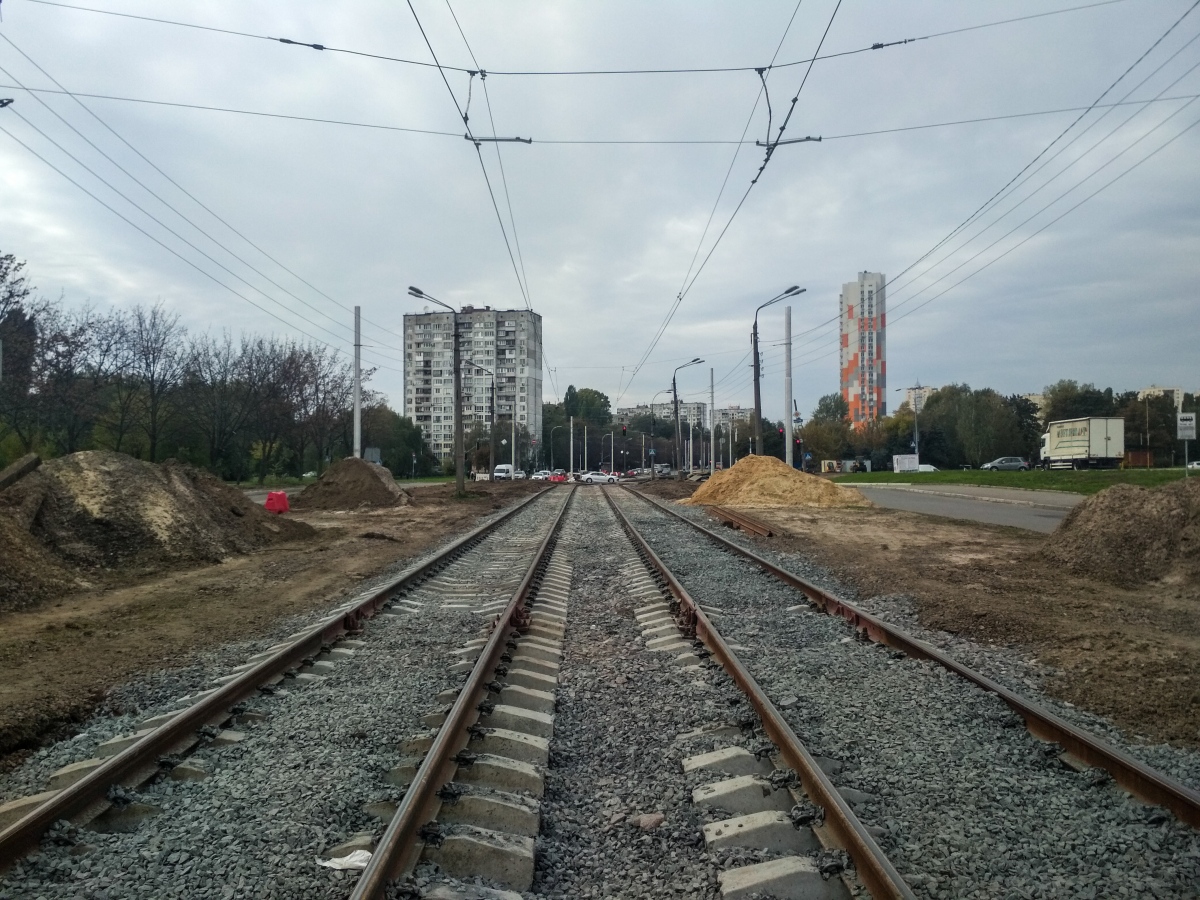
column 598, row 478
column 661, row 469
column 560, row 472
column 502, row 472
column 558, row 476
column 519, row 475
column 543, row 475
column 926, row 467
column 1006, row 464
column 1194, row 464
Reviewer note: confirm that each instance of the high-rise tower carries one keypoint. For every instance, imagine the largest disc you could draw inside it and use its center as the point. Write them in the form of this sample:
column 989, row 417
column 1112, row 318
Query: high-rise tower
column 863, row 363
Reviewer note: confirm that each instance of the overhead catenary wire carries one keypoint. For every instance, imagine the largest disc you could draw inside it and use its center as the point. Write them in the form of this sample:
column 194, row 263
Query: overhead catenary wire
column 683, row 288
column 161, row 199
column 466, row 124
column 172, row 250
column 665, row 142
column 692, row 70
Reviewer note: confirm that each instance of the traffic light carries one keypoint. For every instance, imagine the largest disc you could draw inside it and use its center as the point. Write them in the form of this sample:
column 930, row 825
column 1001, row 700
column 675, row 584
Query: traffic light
column 623, row 427
column 781, row 431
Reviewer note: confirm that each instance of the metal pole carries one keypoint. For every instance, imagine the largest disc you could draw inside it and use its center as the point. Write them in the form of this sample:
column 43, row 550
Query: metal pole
column 787, row 387
column 357, row 383
column 585, row 465
column 644, row 449
column 691, row 446
column 757, row 394
column 514, row 428
column 571, row 464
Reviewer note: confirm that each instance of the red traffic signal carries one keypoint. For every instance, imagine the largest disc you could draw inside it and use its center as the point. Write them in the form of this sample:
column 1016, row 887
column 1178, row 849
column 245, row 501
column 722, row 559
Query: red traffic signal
column 623, row 431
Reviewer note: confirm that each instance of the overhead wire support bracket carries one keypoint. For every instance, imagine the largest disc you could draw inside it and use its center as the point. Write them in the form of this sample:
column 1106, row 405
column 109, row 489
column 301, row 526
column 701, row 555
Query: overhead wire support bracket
column 7, row 101
column 803, row 140
column 497, row 140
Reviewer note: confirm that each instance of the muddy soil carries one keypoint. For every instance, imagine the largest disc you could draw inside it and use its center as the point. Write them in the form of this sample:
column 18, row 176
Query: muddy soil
column 1129, row 653
column 58, row 659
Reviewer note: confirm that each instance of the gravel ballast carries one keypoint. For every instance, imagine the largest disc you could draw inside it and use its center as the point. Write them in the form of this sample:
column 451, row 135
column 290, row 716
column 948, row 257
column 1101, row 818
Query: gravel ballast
column 970, row 804
column 297, row 784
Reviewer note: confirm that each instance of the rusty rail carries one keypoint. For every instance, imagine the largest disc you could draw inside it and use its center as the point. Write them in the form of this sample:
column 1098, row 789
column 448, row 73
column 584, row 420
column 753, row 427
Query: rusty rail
column 1139, row 779
column 874, row 869
column 400, row 847
column 85, row 799
column 741, row 520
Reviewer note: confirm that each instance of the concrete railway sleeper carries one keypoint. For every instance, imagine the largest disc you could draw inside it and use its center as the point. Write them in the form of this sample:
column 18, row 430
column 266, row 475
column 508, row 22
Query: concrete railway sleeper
column 203, row 735
column 740, row 827
column 965, row 802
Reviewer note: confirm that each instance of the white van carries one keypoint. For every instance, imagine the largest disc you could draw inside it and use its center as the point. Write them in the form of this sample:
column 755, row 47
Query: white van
column 502, row 472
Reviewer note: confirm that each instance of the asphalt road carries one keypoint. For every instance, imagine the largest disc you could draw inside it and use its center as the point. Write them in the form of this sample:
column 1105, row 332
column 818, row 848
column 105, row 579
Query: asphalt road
column 1031, row 510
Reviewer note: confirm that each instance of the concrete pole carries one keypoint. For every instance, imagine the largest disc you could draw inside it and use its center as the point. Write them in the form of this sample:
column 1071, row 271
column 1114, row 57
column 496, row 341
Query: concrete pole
column 357, row 383
column 460, row 485
column 571, row 464
column 585, row 465
column 757, row 396
column 712, row 422
column 514, row 432
column 787, row 385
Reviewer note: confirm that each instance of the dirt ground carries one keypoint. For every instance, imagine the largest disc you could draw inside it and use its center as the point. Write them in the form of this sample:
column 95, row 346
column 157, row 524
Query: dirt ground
column 1129, row 653
column 58, row 659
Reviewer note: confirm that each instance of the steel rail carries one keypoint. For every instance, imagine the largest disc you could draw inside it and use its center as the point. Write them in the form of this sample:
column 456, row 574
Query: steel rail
column 400, row 847
column 86, row 798
column 874, row 869
column 1140, row 780
column 741, row 520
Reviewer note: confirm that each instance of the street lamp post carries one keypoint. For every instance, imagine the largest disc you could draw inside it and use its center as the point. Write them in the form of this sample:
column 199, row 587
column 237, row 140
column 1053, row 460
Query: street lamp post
column 654, row 436
column 491, row 421
column 790, row 292
column 612, row 449
column 916, row 406
column 460, row 487
column 675, row 395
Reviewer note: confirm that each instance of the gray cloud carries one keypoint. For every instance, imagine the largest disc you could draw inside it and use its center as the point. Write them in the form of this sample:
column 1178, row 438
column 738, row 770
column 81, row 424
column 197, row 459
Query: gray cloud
column 607, row 232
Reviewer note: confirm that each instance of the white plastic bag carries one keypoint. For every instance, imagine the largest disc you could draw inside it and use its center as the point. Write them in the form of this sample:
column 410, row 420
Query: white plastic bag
column 356, row 859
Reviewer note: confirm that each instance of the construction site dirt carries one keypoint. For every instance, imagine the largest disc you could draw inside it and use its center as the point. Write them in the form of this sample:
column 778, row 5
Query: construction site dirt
column 1128, row 653
column 59, row 658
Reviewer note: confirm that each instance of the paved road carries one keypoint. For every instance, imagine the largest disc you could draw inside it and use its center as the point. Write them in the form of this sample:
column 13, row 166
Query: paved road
column 1032, row 510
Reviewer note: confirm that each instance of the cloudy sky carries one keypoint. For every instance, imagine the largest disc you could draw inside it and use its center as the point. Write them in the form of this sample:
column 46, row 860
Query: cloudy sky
column 612, row 201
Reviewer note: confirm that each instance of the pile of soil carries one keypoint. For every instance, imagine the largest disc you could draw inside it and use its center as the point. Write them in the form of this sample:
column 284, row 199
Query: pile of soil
column 1127, row 535
column 764, row 481
column 352, row 483
column 100, row 510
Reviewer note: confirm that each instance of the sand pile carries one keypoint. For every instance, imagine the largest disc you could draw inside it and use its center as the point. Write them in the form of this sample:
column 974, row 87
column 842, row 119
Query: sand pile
column 1127, row 535
column 100, row 509
column 764, row 481
column 352, row 483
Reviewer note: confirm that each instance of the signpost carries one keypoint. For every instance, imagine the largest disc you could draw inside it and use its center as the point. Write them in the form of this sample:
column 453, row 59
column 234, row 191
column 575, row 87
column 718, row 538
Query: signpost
column 1185, row 430
column 905, row 462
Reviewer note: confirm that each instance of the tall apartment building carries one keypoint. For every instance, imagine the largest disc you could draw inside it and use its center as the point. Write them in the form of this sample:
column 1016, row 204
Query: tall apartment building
column 506, row 342
column 694, row 413
column 915, row 397
column 725, row 418
column 863, row 362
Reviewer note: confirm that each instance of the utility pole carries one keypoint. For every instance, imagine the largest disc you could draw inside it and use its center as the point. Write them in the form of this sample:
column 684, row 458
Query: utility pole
column 571, row 464
column 585, row 465
column 757, row 395
column 787, row 387
column 357, row 382
column 712, row 422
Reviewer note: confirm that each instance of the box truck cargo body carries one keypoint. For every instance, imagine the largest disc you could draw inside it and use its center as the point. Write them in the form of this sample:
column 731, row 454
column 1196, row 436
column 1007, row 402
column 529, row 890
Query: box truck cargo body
column 1091, row 443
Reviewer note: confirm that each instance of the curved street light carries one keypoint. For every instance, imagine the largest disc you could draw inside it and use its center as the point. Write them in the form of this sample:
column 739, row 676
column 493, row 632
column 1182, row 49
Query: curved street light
column 793, row 291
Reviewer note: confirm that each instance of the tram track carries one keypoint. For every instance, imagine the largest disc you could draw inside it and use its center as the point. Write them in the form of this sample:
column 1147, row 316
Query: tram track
column 160, row 760
column 622, row 703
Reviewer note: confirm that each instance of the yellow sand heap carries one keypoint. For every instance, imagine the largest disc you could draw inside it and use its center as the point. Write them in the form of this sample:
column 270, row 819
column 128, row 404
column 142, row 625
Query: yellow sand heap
column 764, row 481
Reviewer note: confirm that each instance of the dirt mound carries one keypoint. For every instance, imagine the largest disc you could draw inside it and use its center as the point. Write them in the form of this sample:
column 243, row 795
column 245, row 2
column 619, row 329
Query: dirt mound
column 1127, row 535
column 352, row 483
column 765, row 481
column 104, row 510
column 29, row 573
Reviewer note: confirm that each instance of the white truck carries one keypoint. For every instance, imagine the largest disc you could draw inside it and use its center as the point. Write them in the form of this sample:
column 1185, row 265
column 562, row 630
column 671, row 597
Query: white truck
column 1090, row 443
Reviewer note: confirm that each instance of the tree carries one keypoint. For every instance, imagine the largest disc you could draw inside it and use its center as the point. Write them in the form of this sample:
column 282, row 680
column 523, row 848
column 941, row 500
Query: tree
column 1028, row 425
column 1068, row 399
column 831, row 408
column 158, row 361
column 593, row 407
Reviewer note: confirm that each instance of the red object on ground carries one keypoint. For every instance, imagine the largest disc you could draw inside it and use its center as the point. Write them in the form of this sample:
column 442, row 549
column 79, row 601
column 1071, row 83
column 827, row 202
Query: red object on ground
column 277, row 502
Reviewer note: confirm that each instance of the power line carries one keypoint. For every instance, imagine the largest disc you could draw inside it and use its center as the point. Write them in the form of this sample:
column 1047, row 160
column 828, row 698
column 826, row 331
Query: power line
column 171, row 250
column 466, row 124
column 184, row 190
column 684, row 286
column 666, row 142
column 693, row 70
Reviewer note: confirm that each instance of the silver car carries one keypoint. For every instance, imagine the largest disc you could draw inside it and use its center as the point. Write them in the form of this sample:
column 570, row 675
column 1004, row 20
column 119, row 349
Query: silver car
column 598, row 478
column 1007, row 464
